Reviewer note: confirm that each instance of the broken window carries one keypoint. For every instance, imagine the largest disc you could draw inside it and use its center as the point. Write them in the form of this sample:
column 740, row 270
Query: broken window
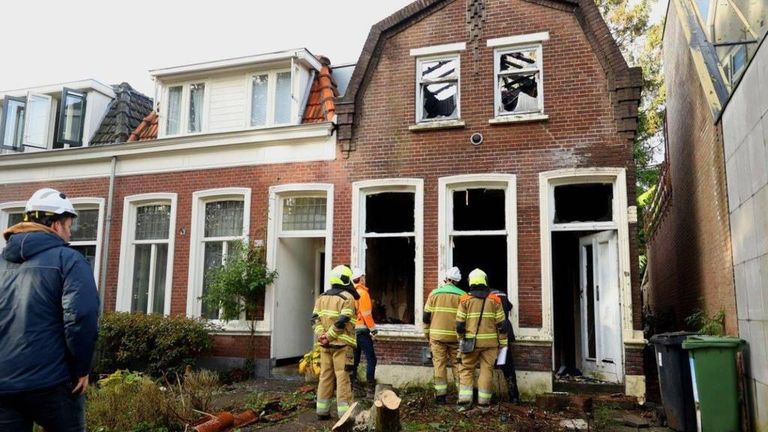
column 591, row 202
column 479, row 234
column 518, row 81
column 390, row 255
column 438, row 93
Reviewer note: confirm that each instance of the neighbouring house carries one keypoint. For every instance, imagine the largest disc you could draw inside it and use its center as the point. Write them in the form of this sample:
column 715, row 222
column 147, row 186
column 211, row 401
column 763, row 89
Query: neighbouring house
column 708, row 226
column 493, row 134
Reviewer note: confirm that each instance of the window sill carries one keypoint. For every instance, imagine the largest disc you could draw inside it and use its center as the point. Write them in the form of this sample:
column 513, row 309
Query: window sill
column 445, row 124
column 519, row 118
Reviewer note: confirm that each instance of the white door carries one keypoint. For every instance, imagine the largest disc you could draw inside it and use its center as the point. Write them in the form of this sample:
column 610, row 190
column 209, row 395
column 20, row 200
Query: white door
column 600, row 307
column 298, row 265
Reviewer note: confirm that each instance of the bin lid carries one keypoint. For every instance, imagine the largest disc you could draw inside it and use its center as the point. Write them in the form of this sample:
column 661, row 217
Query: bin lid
column 672, row 338
column 702, row 341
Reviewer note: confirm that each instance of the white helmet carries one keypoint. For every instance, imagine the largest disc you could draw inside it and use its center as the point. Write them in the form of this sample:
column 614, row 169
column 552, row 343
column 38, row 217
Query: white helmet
column 357, row 273
column 50, row 201
column 453, row 274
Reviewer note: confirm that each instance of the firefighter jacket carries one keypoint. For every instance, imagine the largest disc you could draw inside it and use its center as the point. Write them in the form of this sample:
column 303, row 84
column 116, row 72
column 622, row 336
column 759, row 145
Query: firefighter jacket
column 364, row 309
column 491, row 331
column 334, row 316
column 439, row 318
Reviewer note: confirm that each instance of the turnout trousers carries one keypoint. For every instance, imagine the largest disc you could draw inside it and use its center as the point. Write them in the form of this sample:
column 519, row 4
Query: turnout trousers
column 444, row 354
column 333, row 376
column 486, row 357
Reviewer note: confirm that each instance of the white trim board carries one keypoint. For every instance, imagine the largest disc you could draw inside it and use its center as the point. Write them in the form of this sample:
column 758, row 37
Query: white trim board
column 357, row 245
column 125, row 269
column 439, row 49
column 518, row 39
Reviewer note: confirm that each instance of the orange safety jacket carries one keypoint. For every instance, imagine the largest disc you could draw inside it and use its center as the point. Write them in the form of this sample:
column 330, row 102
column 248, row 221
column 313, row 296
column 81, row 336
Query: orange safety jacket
column 364, row 309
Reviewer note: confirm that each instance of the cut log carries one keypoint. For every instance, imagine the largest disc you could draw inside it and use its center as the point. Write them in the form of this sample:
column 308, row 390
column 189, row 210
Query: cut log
column 380, row 388
column 387, row 408
column 347, row 422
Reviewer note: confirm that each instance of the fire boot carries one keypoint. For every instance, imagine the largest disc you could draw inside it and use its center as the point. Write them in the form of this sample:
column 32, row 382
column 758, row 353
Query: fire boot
column 514, row 395
column 370, row 390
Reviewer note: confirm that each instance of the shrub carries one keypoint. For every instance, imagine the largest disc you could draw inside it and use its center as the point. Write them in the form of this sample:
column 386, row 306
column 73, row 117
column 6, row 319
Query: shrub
column 153, row 344
column 126, row 401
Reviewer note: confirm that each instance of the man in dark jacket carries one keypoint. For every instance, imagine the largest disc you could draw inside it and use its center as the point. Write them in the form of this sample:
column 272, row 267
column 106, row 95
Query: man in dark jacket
column 49, row 309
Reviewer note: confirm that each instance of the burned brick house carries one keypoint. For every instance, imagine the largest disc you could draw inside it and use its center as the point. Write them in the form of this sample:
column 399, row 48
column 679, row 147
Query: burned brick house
column 478, row 133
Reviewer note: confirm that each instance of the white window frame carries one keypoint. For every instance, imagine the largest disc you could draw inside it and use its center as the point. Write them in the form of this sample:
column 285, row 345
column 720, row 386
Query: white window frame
column 497, row 53
column 196, row 249
column 131, row 204
column 420, row 103
column 506, row 182
column 6, row 209
column 46, row 135
column 360, row 190
column 271, row 98
column 185, row 103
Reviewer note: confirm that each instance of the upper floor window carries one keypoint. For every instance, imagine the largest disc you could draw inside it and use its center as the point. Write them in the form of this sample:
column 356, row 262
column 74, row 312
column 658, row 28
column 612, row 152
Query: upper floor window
column 185, row 108
column 27, row 121
column 518, row 80
column 271, row 100
column 437, row 95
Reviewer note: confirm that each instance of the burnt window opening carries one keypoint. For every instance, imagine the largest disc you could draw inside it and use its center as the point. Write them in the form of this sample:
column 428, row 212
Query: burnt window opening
column 390, row 266
column 389, row 212
column 438, row 89
column 488, row 253
column 478, row 209
column 518, row 81
column 584, row 203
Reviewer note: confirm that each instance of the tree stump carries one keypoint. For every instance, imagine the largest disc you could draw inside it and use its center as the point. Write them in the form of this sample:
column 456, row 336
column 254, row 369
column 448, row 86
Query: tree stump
column 387, row 412
column 347, row 422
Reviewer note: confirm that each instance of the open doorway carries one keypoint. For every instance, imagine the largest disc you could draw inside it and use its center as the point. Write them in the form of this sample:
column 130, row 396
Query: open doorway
column 585, row 281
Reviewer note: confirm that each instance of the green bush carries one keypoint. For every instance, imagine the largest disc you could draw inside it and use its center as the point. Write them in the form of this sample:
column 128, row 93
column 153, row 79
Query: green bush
column 127, row 401
column 152, row 344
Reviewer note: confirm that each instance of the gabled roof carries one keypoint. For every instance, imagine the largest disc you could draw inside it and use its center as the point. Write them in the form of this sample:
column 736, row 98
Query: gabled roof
column 321, row 106
column 623, row 80
column 125, row 112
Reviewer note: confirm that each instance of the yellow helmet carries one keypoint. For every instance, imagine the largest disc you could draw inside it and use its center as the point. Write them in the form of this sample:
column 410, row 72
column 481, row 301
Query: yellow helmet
column 341, row 275
column 478, row 277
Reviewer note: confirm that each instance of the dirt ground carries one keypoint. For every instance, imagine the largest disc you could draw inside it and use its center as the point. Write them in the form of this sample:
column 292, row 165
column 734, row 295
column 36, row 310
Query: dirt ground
column 287, row 405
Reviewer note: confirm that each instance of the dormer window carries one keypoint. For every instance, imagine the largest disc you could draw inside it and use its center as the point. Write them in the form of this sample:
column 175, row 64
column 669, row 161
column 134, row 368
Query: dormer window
column 71, row 117
column 185, row 108
column 12, row 125
column 271, row 101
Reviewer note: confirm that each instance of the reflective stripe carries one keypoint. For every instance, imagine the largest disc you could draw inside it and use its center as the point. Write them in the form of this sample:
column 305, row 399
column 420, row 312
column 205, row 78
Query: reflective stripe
column 487, row 336
column 341, row 408
column 483, row 397
column 323, row 406
column 347, row 311
column 503, row 342
column 460, row 314
column 427, row 308
column 331, row 332
column 443, row 332
column 463, row 391
column 444, row 309
column 327, row 313
column 348, row 339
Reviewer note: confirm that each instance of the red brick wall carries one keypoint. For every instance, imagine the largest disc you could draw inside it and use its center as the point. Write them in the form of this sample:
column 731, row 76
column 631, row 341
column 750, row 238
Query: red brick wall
column 690, row 254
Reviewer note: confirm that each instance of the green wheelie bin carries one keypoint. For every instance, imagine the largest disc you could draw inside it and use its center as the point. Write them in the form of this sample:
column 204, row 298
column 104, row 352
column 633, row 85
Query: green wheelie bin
column 715, row 381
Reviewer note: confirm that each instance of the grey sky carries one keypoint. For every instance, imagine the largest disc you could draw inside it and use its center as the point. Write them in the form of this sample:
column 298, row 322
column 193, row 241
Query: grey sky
column 54, row 41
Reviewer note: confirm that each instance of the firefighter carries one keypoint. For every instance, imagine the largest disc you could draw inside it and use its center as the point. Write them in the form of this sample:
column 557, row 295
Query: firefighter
column 439, row 323
column 481, row 330
column 508, row 368
column 365, row 330
column 333, row 320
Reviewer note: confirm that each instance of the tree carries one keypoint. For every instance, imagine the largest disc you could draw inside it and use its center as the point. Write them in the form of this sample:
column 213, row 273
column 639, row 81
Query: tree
column 237, row 287
column 640, row 42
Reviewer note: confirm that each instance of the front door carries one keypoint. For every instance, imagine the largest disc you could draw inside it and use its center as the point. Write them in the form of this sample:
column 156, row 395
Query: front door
column 600, row 307
column 299, row 265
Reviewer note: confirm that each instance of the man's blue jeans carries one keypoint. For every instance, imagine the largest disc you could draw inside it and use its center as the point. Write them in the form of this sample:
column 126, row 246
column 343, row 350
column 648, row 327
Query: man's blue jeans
column 56, row 409
column 365, row 345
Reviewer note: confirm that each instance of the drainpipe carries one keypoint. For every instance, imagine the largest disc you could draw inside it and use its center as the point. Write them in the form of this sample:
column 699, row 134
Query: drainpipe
column 107, row 228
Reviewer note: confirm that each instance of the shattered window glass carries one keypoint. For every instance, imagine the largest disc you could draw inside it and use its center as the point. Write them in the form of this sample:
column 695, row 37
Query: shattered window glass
column 518, row 81
column 439, row 89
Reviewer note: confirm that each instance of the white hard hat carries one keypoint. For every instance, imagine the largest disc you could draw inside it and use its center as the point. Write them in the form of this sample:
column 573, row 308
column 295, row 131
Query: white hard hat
column 453, row 274
column 357, row 273
column 50, row 201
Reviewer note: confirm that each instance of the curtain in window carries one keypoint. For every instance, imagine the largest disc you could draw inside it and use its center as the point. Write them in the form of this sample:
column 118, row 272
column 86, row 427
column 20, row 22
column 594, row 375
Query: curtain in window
column 224, row 219
column 140, row 292
column 196, row 93
column 212, row 258
column 259, row 100
column 86, row 226
column 161, row 265
column 283, row 98
column 172, row 126
column 153, row 222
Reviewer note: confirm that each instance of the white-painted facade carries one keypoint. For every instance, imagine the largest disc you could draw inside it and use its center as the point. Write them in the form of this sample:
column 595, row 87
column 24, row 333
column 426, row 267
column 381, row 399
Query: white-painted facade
column 745, row 140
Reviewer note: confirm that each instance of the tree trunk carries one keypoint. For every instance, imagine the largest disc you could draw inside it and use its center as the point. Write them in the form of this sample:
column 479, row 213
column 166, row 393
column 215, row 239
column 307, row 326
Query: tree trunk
column 348, row 421
column 387, row 409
